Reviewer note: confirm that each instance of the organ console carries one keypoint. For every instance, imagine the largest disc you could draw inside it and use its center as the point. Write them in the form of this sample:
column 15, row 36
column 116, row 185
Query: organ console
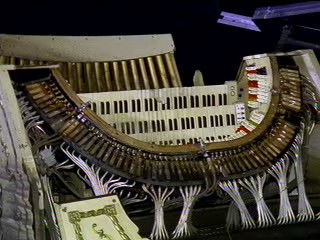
column 108, row 120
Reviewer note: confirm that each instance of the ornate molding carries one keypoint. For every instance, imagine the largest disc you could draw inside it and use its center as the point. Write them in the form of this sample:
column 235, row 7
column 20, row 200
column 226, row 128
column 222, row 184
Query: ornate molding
column 108, row 210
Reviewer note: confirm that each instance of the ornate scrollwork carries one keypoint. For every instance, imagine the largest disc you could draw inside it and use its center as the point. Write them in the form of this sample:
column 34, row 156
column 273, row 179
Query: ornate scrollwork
column 75, row 218
column 108, row 210
column 100, row 232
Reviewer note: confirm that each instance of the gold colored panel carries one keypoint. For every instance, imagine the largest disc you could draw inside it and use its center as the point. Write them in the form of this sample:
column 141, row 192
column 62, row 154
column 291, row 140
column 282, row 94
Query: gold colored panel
column 27, row 62
column 21, row 62
column 126, row 76
column 2, row 59
column 64, row 70
column 89, row 77
column 173, row 60
column 70, row 77
column 144, row 73
column 80, row 77
column 153, row 73
column 12, row 60
column 172, row 73
column 135, row 74
column 107, row 76
column 98, row 77
column 116, row 73
column 163, row 73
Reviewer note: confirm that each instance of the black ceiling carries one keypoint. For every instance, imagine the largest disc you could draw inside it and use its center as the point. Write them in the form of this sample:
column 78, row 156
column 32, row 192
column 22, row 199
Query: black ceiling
column 201, row 43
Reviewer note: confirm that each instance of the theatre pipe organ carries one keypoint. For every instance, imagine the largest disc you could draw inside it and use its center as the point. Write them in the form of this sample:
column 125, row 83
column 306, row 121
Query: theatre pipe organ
column 115, row 119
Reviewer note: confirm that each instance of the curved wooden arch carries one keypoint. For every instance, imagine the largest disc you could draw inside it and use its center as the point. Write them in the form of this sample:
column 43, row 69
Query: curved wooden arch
column 165, row 165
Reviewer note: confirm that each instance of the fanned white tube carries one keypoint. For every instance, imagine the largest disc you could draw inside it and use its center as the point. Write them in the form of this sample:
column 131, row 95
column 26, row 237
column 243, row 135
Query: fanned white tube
column 279, row 172
column 309, row 95
column 52, row 214
column 310, row 100
column 128, row 199
column 305, row 212
column 159, row 196
column 96, row 185
column 255, row 186
column 231, row 187
column 100, row 185
column 233, row 217
column 185, row 227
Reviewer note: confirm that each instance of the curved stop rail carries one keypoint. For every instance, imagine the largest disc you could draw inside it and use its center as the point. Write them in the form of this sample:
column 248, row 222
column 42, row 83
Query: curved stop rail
column 187, row 164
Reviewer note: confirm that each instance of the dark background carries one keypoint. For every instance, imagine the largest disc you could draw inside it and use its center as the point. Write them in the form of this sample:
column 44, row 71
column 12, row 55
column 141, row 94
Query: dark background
column 201, row 43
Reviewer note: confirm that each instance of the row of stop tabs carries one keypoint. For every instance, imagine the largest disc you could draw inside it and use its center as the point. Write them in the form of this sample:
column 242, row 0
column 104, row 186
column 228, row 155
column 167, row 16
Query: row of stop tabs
column 258, row 86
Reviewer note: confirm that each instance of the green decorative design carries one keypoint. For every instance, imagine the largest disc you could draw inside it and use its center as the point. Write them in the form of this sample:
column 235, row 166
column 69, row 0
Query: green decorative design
column 100, row 232
column 75, row 218
column 108, row 210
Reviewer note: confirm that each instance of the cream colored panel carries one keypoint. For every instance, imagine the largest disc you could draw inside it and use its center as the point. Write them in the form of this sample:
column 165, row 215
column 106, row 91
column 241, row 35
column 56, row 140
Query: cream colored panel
column 85, row 49
column 99, row 218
